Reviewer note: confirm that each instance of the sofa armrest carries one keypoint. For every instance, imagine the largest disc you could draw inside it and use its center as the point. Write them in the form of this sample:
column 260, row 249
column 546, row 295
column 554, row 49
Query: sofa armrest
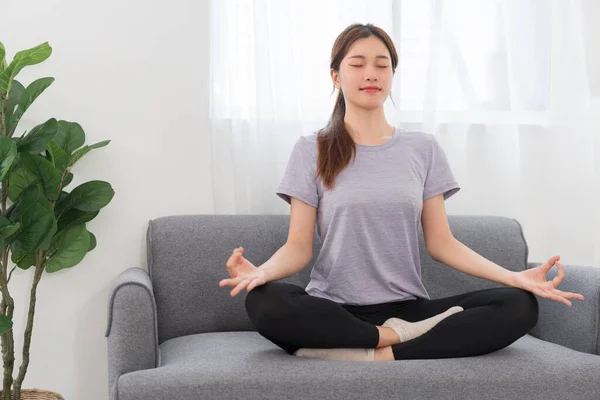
column 132, row 326
column 576, row 327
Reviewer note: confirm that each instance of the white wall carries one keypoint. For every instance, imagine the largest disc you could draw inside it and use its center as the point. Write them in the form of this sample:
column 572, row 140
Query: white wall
column 135, row 72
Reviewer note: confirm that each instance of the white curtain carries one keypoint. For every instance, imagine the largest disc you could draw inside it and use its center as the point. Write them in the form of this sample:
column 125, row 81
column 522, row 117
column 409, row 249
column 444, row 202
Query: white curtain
column 510, row 89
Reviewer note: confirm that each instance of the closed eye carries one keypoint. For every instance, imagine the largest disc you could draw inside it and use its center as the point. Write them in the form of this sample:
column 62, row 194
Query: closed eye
column 379, row 66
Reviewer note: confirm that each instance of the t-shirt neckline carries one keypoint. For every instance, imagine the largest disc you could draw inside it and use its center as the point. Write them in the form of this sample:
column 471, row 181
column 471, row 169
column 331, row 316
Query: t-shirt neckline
column 381, row 146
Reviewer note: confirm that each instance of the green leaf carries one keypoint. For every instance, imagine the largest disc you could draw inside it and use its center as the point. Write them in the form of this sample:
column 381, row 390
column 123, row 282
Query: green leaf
column 28, row 196
column 75, row 217
column 86, row 149
column 63, row 195
column 89, row 196
column 17, row 164
column 9, row 230
column 36, row 216
column 92, row 242
column 58, row 156
column 2, row 57
column 23, row 58
column 34, row 169
column 47, row 242
column 16, row 91
column 5, row 324
column 22, row 258
column 68, row 180
column 27, row 97
column 8, row 153
column 45, row 172
column 72, row 246
column 37, row 139
column 10, row 210
column 37, row 223
column 19, row 181
column 70, row 136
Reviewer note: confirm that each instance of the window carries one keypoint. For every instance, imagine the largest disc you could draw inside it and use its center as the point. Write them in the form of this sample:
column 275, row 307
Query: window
column 465, row 60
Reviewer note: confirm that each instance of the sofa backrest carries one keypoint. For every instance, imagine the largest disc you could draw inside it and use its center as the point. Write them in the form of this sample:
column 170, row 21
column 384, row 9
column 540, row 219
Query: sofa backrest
column 187, row 256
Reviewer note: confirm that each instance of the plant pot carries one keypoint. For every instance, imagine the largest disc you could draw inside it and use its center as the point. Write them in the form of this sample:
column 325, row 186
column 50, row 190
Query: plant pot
column 37, row 394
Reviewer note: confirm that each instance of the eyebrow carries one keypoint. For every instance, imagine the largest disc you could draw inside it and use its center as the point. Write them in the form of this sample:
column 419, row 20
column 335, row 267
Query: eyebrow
column 363, row 57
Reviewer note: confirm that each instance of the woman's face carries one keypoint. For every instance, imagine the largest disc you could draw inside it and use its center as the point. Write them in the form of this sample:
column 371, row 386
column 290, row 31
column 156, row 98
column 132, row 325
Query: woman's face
column 367, row 63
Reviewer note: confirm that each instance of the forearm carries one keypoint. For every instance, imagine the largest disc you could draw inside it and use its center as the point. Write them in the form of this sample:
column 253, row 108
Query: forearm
column 289, row 259
column 462, row 258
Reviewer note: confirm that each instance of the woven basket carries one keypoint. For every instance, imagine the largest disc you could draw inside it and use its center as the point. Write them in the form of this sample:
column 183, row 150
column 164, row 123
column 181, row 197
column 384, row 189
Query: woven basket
column 37, row 394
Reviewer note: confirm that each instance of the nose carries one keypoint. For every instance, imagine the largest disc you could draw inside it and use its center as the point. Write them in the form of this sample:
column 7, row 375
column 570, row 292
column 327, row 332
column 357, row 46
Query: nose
column 370, row 75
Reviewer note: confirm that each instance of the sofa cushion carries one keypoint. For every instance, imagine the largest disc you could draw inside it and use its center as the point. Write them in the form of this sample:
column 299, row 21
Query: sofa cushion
column 244, row 365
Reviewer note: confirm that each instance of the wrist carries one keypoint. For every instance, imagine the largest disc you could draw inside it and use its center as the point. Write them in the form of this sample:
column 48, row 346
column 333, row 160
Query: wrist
column 512, row 279
column 266, row 271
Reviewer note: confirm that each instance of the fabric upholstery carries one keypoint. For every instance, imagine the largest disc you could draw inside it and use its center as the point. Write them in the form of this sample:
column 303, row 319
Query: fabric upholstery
column 175, row 334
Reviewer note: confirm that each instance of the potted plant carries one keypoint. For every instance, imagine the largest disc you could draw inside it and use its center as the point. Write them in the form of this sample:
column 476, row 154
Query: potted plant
column 42, row 225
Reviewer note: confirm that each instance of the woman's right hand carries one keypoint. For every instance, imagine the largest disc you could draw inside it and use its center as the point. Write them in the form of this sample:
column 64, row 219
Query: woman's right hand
column 243, row 273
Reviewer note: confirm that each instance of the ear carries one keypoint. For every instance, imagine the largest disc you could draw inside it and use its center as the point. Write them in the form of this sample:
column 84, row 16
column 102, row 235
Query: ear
column 335, row 77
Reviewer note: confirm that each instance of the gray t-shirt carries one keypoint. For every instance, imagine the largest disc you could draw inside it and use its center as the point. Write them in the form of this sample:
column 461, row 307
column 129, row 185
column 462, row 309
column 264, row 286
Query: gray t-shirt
column 368, row 224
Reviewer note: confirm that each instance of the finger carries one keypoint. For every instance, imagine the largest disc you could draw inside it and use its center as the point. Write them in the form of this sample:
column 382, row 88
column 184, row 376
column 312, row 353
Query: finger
column 561, row 274
column 233, row 261
column 558, row 298
column 233, row 255
column 549, row 295
column 240, row 286
column 230, row 265
column 255, row 282
column 548, row 266
column 224, row 282
column 230, row 282
column 237, row 258
column 568, row 295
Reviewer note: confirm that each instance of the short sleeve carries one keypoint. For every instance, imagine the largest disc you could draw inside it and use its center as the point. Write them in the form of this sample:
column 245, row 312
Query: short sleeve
column 299, row 176
column 440, row 178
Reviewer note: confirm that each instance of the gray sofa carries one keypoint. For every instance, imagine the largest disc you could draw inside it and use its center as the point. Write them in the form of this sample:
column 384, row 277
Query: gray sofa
column 173, row 333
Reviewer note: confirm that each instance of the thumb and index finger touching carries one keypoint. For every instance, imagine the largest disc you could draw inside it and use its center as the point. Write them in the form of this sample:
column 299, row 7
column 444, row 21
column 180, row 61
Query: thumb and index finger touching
column 231, row 265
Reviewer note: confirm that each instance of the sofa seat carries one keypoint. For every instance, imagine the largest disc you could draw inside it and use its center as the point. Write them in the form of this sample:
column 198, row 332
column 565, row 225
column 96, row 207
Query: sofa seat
column 244, row 365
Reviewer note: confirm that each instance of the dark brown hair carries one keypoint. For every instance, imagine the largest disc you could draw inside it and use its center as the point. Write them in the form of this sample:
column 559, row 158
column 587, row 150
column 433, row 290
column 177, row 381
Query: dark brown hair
column 335, row 145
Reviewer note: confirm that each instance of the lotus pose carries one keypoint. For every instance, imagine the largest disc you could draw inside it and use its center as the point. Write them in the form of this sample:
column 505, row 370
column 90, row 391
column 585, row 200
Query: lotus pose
column 366, row 185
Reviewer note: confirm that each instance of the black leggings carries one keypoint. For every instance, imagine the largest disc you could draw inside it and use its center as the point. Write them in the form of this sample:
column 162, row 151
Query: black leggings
column 492, row 319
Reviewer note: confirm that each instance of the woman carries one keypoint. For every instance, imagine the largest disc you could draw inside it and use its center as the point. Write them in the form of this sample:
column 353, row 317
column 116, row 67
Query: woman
column 368, row 184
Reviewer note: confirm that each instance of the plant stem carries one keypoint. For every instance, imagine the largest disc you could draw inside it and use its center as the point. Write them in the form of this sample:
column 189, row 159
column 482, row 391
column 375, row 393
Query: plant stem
column 8, row 343
column 4, row 100
column 10, row 274
column 4, row 105
column 7, row 305
column 39, row 269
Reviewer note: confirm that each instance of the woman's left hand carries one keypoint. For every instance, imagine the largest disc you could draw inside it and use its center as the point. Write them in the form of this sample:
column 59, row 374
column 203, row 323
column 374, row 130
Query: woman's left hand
column 534, row 280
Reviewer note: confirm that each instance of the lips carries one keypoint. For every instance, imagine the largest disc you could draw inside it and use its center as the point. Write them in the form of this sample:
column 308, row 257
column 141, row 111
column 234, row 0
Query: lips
column 370, row 89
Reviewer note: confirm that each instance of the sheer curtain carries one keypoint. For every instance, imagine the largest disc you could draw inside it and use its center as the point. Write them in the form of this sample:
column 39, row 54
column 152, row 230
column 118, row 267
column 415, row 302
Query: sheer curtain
column 510, row 89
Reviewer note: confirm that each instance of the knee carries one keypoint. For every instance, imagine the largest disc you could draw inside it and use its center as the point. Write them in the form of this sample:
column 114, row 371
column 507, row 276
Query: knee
column 264, row 303
column 525, row 308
